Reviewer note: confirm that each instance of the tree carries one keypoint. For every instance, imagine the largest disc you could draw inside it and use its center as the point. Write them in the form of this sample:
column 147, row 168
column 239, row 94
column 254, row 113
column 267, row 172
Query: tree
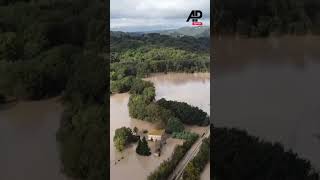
column 10, row 47
column 174, row 125
column 191, row 172
column 143, row 148
column 123, row 136
column 135, row 130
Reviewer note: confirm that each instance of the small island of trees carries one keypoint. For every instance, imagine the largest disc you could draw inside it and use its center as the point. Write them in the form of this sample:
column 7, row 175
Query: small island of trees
column 123, row 137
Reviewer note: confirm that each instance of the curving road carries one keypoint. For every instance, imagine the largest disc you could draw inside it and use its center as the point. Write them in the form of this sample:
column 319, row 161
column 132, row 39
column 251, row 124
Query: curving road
column 177, row 173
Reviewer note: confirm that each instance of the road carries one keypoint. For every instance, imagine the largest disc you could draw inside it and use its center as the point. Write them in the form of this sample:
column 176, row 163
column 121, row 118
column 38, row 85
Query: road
column 177, row 173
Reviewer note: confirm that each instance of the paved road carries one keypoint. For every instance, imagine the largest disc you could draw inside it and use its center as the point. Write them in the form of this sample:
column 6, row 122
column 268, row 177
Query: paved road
column 177, row 173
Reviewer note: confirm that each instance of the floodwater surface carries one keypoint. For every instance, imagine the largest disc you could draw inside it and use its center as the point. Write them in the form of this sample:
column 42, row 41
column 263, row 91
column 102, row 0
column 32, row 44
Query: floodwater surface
column 270, row 87
column 191, row 88
column 28, row 140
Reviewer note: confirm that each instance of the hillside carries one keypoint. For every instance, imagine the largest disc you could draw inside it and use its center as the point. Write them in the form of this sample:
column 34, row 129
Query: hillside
column 200, row 31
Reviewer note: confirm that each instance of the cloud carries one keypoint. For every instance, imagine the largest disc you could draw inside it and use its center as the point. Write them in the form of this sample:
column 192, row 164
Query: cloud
column 150, row 14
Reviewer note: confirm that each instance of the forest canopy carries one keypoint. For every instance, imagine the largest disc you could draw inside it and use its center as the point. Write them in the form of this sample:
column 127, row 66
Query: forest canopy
column 262, row 18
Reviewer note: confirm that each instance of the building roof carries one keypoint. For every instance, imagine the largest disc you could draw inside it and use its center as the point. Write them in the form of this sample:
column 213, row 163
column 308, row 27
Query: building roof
column 158, row 132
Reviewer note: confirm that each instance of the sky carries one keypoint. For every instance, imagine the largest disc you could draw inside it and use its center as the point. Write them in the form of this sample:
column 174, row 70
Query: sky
column 149, row 15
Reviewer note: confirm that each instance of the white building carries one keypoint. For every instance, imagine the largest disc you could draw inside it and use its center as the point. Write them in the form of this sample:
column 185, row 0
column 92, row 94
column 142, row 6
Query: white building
column 155, row 135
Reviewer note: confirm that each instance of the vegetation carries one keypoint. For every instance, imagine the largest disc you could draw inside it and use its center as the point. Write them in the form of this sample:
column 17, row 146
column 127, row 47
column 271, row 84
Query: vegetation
column 235, row 148
column 143, row 148
column 191, row 172
column 263, row 18
column 138, row 56
column 82, row 137
column 123, row 136
column 167, row 167
column 196, row 166
column 39, row 45
column 50, row 48
column 135, row 130
column 184, row 135
column 122, row 42
column 142, row 106
column 174, row 125
column 186, row 113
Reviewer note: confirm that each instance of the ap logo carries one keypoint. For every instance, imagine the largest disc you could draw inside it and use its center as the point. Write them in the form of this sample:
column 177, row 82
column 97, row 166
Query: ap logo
column 195, row 15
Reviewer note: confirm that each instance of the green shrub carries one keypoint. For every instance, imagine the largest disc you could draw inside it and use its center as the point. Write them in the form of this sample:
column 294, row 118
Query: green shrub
column 174, row 125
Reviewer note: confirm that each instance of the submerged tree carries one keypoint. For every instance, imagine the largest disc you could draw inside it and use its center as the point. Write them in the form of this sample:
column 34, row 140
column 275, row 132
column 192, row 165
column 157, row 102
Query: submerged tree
column 122, row 137
column 143, row 148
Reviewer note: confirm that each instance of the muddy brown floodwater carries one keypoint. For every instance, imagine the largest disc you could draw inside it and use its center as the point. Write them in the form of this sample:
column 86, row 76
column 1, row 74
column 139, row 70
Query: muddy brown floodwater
column 27, row 140
column 271, row 86
column 191, row 88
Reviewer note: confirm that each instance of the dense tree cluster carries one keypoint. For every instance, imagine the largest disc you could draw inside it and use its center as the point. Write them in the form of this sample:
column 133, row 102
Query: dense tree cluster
column 121, row 42
column 40, row 41
column 186, row 113
column 142, row 106
column 122, row 137
column 262, row 18
column 198, row 163
column 143, row 148
column 238, row 156
column 167, row 167
column 82, row 137
column 50, row 48
column 142, row 69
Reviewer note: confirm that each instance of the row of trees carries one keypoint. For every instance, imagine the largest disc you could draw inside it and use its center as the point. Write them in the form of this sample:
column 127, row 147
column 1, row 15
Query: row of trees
column 120, row 70
column 198, row 163
column 167, row 167
column 185, row 135
column 147, row 53
column 237, row 155
column 262, row 18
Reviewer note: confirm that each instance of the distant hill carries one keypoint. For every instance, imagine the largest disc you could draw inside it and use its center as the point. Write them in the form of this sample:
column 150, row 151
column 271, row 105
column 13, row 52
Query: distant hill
column 200, row 31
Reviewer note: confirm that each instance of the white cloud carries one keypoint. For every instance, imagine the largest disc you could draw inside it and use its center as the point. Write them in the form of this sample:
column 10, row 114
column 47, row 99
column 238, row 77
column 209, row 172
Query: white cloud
column 151, row 14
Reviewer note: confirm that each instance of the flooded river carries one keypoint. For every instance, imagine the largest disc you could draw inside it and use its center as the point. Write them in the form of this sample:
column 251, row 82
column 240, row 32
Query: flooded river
column 191, row 88
column 27, row 140
column 270, row 87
